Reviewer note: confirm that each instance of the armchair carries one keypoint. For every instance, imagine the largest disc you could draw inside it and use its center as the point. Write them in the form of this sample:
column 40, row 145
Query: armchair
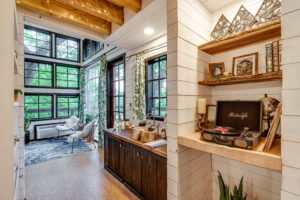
column 87, row 132
column 70, row 125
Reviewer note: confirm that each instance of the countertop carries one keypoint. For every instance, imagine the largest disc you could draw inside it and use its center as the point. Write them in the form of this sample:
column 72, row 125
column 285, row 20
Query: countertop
column 126, row 136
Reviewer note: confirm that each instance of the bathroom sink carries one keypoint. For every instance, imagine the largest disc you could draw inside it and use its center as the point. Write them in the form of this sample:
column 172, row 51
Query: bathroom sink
column 144, row 134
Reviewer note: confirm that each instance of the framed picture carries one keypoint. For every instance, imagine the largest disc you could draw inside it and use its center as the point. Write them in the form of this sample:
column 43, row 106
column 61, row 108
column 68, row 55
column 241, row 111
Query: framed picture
column 210, row 118
column 245, row 65
column 216, row 70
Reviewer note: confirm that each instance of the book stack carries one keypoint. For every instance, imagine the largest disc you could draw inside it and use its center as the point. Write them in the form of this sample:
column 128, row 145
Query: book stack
column 273, row 56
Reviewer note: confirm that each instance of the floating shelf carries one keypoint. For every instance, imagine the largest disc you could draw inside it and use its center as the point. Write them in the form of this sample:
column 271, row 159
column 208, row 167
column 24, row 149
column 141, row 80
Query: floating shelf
column 262, row 33
column 270, row 160
column 242, row 80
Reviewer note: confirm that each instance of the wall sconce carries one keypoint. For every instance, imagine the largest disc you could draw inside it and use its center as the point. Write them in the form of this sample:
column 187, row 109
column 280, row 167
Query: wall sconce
column 201, row 113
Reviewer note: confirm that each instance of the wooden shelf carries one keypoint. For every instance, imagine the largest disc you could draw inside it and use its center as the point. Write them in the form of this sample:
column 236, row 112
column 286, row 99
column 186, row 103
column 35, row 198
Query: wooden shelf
column 242, row 80
column 248, row 37
column 270, row 160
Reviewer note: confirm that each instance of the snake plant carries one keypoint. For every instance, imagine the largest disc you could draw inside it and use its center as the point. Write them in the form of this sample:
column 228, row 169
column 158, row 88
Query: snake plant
column 225, row 194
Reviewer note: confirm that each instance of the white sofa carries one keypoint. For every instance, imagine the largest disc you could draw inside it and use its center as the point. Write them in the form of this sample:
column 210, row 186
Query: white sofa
column 49, row 131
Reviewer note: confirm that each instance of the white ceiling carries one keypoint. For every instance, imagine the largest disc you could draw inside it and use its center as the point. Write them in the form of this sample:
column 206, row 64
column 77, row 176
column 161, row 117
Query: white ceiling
column 214, row 5
column 131, row 34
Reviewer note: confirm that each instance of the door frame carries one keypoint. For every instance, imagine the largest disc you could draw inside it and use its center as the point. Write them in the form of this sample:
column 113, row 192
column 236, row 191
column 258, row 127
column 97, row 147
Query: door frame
column 119, row 58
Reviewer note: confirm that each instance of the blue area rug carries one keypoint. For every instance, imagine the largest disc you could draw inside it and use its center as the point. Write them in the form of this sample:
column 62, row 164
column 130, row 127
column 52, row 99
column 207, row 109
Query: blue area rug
column 53, row 148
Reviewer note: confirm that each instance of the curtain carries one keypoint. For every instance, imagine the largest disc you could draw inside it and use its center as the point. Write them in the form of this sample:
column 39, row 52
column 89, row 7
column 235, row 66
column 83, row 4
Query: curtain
column 82, row 94
column 102, row 100
column 139, row 91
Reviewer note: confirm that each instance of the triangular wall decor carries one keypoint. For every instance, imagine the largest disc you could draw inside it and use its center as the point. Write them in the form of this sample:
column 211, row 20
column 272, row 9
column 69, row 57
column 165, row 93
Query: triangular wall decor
column 241, row 21
column 221, row 29
column 269, row 11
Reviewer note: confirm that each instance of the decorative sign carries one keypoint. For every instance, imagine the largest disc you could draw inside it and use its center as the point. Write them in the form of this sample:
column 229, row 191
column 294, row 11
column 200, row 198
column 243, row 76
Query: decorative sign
column 269, row 11
column 241, row 21
column 221, row 29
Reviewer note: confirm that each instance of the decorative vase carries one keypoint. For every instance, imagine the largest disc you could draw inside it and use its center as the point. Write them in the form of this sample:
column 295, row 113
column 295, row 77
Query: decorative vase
column 15, row 98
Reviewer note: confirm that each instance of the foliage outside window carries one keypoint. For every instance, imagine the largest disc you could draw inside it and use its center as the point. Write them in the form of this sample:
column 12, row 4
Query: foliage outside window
column 67, row 106
column 119, row 91
column 38, row 106
column 38, row 74
column 37, row 42
column 92, row 89
column 67, row 76
column 67, row 48
column 156, row 86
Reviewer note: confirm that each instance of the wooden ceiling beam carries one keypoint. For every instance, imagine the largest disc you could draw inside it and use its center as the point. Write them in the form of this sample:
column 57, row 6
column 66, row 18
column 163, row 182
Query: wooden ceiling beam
column 135, row 5
column 59, row 11
column 98, row 8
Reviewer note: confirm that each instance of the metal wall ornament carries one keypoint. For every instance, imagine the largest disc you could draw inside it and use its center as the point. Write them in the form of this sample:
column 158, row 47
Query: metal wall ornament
column 269, row 11
column 220, row 31
column 241, row 21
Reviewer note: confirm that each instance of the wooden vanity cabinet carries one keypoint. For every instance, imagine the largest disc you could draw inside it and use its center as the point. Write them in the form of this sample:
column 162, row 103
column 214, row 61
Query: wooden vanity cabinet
column 142, row 171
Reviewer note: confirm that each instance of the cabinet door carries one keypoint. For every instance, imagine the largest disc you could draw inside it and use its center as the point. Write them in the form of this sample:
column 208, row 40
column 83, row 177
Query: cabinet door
column 136, row 179
column 106, row 151
column 161, row 179
column 128, row 154
column 148, row 176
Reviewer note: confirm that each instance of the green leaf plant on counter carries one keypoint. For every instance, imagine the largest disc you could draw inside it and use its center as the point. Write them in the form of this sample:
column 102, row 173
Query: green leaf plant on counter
column 225, row 194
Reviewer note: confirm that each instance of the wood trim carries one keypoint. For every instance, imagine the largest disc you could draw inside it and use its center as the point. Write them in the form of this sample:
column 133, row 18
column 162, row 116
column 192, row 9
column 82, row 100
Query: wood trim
column 243, row 79
column 270, row 160
column 102, row 9
column 62, row 12
column 135, row 5
column 262, row 33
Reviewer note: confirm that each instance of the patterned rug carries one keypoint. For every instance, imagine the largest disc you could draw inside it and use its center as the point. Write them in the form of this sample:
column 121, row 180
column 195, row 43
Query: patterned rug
column 53, row 148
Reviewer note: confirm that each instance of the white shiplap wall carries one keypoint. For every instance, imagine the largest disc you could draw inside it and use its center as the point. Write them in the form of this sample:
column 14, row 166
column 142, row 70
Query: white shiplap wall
column 291, row 98
column 189, row 171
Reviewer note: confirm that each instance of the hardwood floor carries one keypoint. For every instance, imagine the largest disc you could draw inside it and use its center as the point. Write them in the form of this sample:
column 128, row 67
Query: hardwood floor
column 77, row 177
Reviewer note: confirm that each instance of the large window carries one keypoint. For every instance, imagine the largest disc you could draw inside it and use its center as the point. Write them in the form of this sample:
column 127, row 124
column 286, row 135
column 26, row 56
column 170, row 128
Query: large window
column 92, row 89
column 67, row 76
column 67, row 106
column 38, row 107
column 118, row 91
column 67, row 48
column 38, row 74
column 37, row 42
column 156, row 86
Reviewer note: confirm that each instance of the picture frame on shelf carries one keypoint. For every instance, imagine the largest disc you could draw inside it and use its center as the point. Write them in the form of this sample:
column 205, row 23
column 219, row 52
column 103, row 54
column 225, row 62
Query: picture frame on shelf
column 210, row 118
column 216, row 70
column 245, row 65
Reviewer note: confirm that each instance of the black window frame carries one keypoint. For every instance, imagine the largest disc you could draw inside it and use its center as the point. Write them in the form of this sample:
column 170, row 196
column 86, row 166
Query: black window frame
column 44, row 62
column 41, row 94
column 95, row 48
column 41, row 31
column 66, row 96
column 151, row 61
column 67, row 38
column 68, row 66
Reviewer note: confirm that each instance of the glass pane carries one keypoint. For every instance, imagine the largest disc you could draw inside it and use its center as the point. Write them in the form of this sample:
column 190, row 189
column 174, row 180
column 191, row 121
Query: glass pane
column 163, row 69
column 155, row 71
column 121, row 106
column 62, row 83
column 149, row 89
column 163, row 107
column 45, row 99
column 121, row 88
column 116, row 73
column 116, row 104
column 31, row 99
column 45, row 83
column 149, row 72
column 163, row 88
column 61, row 76
column 121, row 71
column 73, row 71
column 72, row 77
column 116, row 88
column 156, row 106
column 60, row 69
column 155, row 89
column 73, row 84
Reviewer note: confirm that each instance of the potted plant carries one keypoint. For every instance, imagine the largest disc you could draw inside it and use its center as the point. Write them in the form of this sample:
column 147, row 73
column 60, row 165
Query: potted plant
column 16, row 93
column 225, row 194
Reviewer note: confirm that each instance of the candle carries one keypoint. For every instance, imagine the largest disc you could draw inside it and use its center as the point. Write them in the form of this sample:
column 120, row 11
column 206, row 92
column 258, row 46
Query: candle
column 201, row 106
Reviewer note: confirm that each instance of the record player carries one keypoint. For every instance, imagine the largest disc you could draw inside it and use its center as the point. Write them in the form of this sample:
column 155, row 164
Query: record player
column 238, row 124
